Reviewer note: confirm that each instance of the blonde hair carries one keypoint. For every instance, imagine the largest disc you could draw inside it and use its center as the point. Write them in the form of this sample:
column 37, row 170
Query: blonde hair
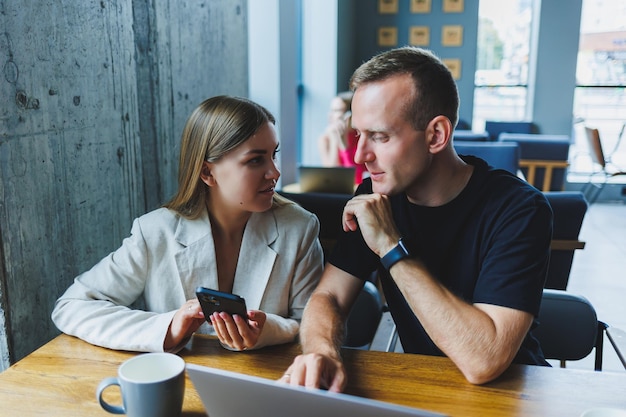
column 217, row 126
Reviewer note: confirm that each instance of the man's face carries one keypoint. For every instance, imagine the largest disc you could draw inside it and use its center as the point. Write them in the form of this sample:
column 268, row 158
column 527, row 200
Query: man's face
column 394, row 152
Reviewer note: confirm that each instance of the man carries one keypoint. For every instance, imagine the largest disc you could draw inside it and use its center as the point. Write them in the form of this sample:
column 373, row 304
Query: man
column 462, row 249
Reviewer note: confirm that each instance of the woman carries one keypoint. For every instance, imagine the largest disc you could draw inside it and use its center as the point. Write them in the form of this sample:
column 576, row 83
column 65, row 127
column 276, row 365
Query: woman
column 225, row 229
column 337, row 144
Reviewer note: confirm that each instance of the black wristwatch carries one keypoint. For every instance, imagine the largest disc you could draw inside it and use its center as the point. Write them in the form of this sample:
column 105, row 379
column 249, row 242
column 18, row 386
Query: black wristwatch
column 394, row 255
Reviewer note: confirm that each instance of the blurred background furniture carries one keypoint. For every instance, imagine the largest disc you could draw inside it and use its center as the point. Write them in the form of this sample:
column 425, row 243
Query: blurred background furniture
column 569, row 209
column 617, row 337
column 569, row 328
column 463, row 125
column 494, row 128
column 607, row 168
column 500, row 155
column 543, row 158
column 468, row 135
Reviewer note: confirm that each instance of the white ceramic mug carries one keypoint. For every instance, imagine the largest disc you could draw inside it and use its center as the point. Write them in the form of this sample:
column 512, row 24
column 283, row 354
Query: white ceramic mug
column 152, row 385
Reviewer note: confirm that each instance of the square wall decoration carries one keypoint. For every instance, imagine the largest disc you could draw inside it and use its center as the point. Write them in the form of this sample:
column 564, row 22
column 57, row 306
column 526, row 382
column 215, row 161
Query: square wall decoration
column 387, row 6
column 453, row 6
column 419, row 35
column 420, row 6
column 387, row 36
column 452, row 35
column 454, row 65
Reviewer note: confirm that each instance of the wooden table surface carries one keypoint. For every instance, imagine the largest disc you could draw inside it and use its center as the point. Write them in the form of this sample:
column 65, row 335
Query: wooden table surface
column 60, row 379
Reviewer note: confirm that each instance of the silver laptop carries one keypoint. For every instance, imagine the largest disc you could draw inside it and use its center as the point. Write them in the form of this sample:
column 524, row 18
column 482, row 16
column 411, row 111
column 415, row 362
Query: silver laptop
column 326, row 179
column 230, row 394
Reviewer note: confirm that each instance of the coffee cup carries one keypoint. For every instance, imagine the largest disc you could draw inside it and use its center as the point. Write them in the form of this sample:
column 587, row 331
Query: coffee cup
column 151, row 384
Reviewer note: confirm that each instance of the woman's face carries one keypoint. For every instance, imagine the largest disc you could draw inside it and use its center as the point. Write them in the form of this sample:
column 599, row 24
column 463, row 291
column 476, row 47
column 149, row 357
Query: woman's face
column 337, row 109
column 244, row 178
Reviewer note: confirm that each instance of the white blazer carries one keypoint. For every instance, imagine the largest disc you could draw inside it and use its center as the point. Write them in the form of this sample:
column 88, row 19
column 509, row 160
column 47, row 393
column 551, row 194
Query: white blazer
column 167, row 256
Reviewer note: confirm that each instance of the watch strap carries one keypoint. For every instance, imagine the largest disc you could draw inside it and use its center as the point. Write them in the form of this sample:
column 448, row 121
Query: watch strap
column 396, row 254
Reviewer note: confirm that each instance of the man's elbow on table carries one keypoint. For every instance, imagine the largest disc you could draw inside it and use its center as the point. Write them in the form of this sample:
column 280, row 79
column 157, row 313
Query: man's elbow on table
column 483, row 375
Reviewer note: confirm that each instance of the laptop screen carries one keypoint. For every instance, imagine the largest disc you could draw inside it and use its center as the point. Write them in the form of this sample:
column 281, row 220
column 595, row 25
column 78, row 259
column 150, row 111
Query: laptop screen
column 229, row 394
column 326, row 179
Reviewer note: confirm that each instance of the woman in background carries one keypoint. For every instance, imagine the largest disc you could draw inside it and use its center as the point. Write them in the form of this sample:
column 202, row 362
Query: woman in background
column 337, row 145
column 225, row 229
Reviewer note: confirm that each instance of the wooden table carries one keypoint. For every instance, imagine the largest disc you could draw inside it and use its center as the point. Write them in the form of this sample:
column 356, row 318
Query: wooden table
column 60, row 379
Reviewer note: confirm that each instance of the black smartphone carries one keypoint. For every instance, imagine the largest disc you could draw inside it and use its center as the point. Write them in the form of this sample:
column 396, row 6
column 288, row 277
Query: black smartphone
column 213, row 301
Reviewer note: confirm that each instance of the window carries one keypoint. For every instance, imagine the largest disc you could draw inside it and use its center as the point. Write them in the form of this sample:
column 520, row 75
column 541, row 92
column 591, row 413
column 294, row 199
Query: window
column 501, row 79
column 600, row 96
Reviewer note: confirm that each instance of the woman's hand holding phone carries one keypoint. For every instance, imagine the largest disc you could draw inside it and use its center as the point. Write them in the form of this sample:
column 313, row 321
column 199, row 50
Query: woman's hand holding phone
column 235, row 326
column 236, row 332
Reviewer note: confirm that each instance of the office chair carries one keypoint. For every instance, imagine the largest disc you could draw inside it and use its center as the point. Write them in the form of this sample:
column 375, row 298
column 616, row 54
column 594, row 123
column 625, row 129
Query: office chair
column 569, row 328
column 598, row 157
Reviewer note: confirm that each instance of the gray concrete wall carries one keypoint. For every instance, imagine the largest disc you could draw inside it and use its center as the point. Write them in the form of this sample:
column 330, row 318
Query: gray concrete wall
column 93, row 97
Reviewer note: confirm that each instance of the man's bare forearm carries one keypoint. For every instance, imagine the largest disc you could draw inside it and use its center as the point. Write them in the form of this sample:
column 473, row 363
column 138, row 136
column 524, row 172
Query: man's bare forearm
column 323, row 326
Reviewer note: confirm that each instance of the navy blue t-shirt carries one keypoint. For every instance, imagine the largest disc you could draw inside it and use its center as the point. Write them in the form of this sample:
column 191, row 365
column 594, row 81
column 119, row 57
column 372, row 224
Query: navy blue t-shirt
column 490, row 244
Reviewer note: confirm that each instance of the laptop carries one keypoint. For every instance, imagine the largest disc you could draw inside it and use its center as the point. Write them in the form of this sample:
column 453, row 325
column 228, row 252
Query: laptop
column 339, row 180
column 229, row 394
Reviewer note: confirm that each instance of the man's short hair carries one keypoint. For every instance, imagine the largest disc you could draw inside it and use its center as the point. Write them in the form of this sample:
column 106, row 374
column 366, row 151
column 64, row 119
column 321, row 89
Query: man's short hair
column 435, row 92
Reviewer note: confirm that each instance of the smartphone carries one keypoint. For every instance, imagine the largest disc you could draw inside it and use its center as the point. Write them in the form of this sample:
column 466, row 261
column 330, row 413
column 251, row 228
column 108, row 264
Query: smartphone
column 213, row 301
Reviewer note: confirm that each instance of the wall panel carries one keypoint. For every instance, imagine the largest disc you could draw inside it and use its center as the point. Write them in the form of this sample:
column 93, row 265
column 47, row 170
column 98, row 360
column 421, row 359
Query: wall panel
column 94, row 96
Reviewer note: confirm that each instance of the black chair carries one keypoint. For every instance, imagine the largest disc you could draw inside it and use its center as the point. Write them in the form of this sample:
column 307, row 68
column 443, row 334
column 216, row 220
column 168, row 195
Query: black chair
column 364, row 318
column 569, row 209
column 328, row 208
column 617, row 337
column 569, row 329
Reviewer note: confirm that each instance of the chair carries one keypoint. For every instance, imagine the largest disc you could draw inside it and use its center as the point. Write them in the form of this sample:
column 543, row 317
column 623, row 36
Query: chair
column 617, row 337
column 543, row 158
column 494, row 128
column 497, row 154
column 468, row 135
column 598, row 158
column 328, row 208
column 364, row 318
column 569, row 209
column 569, row 329
column 463, row 125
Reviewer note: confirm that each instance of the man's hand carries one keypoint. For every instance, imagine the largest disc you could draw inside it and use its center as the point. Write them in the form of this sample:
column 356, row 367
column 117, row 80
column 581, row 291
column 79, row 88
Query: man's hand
column 371, row 214
column 316, row 371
